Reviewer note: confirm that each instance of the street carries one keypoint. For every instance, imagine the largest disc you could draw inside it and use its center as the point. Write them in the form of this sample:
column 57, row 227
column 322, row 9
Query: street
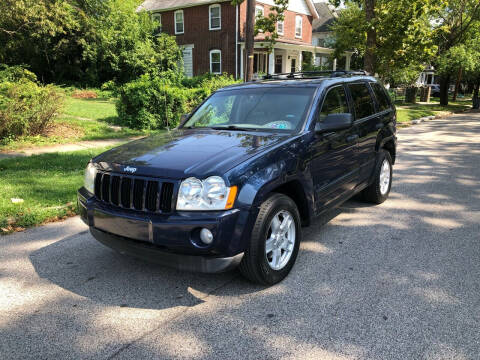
column 395, row 281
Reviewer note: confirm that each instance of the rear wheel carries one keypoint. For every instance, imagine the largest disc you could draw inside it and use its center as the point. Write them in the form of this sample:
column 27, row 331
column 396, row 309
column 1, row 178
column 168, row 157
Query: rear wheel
column 274, row 242
column 379, row 190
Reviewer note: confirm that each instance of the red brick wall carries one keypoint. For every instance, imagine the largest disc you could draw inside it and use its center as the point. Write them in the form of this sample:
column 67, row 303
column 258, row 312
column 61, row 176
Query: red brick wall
column 289, row 25
column 196, row 31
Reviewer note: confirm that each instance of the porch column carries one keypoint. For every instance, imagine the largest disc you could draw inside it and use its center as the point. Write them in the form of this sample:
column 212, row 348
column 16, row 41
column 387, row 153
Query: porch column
column 348, row 61
column 300, row 60
column 271, row 62
column 242, row 55
column 334, row 64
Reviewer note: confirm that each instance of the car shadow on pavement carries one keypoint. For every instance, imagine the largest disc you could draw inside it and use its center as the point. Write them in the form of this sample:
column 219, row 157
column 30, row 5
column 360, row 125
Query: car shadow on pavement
column 80, row 264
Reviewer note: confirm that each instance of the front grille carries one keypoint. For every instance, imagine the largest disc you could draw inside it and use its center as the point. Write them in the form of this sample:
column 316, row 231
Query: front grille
column 137, row 193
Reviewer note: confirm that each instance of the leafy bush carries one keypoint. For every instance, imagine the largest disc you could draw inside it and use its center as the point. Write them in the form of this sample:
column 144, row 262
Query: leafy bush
column 26, row 108
column 16, row 73
column 154, row 103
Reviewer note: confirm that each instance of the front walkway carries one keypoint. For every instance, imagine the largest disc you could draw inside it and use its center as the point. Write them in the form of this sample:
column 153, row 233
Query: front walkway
column 82, row 145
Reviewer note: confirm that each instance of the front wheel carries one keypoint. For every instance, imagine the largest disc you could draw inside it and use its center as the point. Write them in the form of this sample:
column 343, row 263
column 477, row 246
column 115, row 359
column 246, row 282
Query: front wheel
column 379, row 190
column 274, row 243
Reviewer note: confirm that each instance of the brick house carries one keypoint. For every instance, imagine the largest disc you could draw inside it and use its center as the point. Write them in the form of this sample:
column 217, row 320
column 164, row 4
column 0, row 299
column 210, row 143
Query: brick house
column 212, row 35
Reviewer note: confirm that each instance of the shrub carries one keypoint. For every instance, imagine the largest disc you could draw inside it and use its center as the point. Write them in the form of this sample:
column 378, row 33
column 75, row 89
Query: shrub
column 16, row 73
column 26, row 108
column 153, row 103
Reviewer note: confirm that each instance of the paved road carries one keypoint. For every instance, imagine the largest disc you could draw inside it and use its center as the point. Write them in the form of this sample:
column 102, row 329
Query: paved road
column 396, row 281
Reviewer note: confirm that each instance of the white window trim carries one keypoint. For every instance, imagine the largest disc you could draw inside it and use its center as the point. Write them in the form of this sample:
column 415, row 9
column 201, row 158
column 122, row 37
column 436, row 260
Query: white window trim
column 175, row 22
column 301, row 26
column 210, row 16
column 283, row 27
column 216, row 51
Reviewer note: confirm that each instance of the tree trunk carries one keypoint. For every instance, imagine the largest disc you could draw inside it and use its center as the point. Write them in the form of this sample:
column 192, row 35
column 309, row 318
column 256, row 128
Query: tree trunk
column 444, row 84
column 411, row 94
column 249, row 38
column 457, row 84
column 369, row 59
column 476, row 100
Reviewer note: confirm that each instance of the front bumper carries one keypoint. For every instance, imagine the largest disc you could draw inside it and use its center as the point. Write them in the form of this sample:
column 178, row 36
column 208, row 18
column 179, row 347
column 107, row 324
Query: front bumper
column 169, row 239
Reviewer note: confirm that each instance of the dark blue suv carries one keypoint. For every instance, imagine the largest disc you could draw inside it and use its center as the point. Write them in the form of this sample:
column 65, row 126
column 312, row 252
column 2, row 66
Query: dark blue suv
column 237, row 180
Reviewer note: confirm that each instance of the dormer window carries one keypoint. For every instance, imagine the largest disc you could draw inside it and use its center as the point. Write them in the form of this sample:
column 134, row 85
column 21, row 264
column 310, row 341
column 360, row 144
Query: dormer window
column 179, row 25
column 215, row 17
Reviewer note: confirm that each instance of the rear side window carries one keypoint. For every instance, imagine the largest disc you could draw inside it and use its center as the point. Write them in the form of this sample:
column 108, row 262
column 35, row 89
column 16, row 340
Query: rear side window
column 335, row 103
column 362, row 100
column 381, row 96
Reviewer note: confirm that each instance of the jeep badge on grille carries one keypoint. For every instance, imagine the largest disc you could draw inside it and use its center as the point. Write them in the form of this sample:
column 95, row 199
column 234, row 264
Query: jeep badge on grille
column 130, row 169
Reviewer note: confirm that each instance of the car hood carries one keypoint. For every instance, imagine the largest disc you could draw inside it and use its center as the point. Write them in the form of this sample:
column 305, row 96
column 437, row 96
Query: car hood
column 184, row 152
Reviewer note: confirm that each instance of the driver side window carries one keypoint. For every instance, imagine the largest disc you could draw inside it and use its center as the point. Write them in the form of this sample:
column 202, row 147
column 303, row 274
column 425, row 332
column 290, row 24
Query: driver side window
column 335, row 103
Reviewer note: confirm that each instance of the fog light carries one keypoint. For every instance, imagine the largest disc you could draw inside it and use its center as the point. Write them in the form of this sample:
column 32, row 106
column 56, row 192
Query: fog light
column 206, row 236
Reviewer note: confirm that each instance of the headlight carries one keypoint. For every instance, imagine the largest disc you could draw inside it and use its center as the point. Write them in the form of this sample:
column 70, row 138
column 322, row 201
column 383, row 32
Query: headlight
column 209, row 194
column 90, row 173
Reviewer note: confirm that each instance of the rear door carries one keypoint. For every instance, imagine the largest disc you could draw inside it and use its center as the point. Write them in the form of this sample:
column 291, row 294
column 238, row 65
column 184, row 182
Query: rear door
column 367, row 125
column 333, row 164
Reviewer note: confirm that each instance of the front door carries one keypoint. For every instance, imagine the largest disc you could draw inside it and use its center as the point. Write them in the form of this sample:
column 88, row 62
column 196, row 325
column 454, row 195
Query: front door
column 367, row 124
column 293, row 65
column 278, row 64
column 334, row 155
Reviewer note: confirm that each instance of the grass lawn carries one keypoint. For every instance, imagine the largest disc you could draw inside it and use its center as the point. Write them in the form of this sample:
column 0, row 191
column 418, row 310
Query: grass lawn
column 46, row 183
column 81, row 119
column 407, row 113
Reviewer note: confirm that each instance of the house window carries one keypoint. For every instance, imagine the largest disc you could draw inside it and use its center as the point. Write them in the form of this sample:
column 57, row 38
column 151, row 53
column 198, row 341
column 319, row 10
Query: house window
column 258, row 14
column 280, row 26
column 215, row 17
column 157, row 18
column 298, row 26
column 179, row 26
column 215, row 61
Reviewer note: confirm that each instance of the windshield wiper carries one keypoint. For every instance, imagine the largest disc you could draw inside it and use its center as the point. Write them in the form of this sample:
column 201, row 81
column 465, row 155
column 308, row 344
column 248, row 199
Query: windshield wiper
column 231, row 127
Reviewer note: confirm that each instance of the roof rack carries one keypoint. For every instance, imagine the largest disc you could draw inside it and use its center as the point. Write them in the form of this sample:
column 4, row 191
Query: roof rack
column 313, row 74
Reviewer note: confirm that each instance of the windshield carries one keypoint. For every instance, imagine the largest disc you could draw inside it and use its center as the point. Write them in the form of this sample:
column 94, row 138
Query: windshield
column 278, row 109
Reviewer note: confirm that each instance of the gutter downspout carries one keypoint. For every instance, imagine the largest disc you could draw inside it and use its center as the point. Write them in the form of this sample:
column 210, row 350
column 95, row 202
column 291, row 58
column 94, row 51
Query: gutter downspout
column 236, row 42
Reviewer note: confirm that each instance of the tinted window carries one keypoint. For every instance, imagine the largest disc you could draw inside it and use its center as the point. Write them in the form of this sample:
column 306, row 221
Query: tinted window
column 362, row 100
column 381, row 96
column 335, row 103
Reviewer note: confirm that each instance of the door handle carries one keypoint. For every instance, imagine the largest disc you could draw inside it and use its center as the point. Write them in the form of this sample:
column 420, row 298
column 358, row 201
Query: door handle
column 352, row 138
column 379, row 126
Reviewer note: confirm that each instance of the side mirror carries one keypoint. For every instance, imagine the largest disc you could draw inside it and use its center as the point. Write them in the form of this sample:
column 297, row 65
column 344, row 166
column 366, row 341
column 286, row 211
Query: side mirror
column 335, row 122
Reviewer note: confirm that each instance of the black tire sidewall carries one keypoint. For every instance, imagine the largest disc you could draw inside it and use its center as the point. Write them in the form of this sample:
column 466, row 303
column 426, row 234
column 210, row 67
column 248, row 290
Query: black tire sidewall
column 280, row 202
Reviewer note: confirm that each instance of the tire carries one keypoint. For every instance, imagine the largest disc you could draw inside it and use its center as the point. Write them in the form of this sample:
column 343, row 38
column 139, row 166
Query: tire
column 374, row 193
column 256, row 264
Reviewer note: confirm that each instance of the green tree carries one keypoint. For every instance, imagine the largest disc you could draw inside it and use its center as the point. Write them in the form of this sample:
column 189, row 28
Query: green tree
column 453, row 27
column 268, row 24
column 402, row 41
column 123, row 45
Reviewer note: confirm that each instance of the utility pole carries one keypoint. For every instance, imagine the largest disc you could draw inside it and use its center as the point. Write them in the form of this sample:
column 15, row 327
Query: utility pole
column 249, row 39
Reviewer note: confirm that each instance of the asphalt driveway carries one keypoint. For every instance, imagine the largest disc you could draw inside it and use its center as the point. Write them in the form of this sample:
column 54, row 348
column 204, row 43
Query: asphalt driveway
column 396, row 281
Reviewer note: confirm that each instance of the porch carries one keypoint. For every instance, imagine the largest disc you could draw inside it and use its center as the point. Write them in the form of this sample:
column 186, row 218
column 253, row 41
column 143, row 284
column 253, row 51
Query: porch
column 287, row 58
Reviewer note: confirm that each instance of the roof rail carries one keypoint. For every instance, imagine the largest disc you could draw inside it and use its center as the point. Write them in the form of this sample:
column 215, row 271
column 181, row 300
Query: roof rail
column 313, row 74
